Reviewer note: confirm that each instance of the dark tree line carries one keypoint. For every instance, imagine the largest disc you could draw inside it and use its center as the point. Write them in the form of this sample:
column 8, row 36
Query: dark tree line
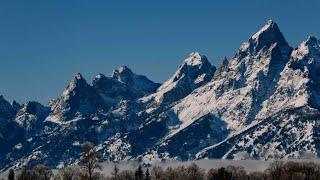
column 90, row 169
column 276, row 171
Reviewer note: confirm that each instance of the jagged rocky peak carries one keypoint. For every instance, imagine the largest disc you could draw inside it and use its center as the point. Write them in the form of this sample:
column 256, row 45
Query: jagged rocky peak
column 138, row 83
column 250, row 78
column 30, row 113
column 308, row 47
column 6, row 110
column 266, row 53
column 194, row 72
column 76, row 82
column 111, row 89
column 195, row 68
column 266, row 37
column 16, row 106
column 123, row 74
column 102, row 82
column 100, row 76
column 79, row 98
column 77, row 86
column 223, row 69
column 196, row 59
column 307, row 55
column 299, row 83
column 3, row 102
column 225, row 62
column 224, row 65
column 33, row 107
column 123, row 84
column 78, row 76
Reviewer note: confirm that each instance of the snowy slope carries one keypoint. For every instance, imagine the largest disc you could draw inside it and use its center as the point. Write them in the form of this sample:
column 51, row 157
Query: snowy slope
column 236, row 94
column 194, row 72
column 287, row 125
column 267, row 106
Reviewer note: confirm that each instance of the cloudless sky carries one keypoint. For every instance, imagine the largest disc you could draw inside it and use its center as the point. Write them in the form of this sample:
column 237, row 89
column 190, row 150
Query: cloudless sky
column 43, row 43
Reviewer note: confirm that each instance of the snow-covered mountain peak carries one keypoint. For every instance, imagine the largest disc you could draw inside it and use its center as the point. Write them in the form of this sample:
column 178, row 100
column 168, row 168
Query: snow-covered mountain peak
column 299, row 82
column 109, row 88
column 124, row 69
column 30, row 114
column 240, row 86
column 76, row 85
column 139, row 83
column 33, row 107
column 123, row 74
column 192, row 67
column 311, row 45
column 270, row 24
column 78, row 98
column 78, row 76
column 267, row 36
column 195, row 59
column 265, row 54
column 194, row 72
column 307, row 55
column 100, row 76
column 77, row 82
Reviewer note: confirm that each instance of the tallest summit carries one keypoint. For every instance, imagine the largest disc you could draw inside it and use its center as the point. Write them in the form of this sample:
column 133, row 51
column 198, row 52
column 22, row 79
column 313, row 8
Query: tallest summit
column 268, row 35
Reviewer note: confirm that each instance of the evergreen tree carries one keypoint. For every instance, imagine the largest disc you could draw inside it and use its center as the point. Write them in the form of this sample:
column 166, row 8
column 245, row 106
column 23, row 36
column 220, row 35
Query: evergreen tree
column 139, row 173
column 147, row 175
column 26, row 175
column 11, row 175
column 223, row 174
column 115, row 172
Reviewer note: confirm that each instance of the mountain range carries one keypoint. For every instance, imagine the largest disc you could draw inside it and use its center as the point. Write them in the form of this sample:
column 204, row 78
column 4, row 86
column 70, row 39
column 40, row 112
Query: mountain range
column 263, row 103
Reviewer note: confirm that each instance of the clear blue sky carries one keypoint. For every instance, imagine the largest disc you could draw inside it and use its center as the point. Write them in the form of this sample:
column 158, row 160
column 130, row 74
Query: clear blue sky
column 44, row 43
